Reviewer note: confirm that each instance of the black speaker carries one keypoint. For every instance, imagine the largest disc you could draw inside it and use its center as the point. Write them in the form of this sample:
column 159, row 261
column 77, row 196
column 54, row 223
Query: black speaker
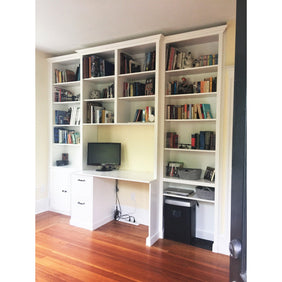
column 179, row 220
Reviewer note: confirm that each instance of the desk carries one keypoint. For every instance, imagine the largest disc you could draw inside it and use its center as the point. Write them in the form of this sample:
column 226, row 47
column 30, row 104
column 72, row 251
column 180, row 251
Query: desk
column 93, row 198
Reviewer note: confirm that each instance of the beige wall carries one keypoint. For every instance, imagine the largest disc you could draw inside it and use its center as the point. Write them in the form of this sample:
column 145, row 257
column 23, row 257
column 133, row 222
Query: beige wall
column 41, row 125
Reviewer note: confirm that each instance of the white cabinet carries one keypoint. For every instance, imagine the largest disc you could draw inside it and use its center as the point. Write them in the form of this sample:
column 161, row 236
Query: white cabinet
column 82, row 201
column 92, row 201
column 60, row 190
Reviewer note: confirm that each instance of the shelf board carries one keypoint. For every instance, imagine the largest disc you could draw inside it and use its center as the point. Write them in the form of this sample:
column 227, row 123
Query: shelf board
column 66, row 103
column 66, row 144
column 122, row 123
column 192, row 95
column 192, row 120
column 196, row 70
column 192, row 197
column 200, row 182
column 65, row 125
column 189, row 150
column 100, row 100
column 138, row 98
column 70, row 83
column 109, row 78
column 138, row 75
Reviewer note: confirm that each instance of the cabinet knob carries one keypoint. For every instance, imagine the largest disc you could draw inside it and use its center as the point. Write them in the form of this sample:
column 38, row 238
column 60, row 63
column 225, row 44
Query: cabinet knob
column 64, row 191
column 81, row 180
column 81, row 203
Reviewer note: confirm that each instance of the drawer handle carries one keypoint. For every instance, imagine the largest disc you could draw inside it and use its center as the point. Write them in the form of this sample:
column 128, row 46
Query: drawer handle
column 81, row 180
column 81, row 203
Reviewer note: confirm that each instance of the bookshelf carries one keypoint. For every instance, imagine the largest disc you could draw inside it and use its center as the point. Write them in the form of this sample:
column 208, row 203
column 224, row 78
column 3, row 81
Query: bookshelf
column 140, row 78
column 189, row 84
column 65, row 128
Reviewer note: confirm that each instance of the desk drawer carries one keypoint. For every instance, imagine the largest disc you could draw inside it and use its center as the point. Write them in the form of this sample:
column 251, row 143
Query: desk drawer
column 82, row 208
column 82, row 186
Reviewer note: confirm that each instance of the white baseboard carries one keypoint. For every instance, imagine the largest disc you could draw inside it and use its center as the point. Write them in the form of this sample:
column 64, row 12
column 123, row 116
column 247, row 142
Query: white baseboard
column 204, row 235
column 151, row 240
column 42, row 205
column 141, row 215
column 222, row 246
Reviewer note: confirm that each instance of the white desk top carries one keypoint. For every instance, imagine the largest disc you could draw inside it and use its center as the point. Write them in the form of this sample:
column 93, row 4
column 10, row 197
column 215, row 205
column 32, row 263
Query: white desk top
column 127, row 175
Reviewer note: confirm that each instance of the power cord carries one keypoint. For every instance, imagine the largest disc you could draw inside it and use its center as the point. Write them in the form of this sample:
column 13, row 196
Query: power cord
column 118, row 212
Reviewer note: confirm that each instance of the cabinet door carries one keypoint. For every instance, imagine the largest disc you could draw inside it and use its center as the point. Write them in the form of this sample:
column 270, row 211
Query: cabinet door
column 60, row 191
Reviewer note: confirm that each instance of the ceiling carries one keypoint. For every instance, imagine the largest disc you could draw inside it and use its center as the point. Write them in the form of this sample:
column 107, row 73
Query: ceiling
column 63, row 26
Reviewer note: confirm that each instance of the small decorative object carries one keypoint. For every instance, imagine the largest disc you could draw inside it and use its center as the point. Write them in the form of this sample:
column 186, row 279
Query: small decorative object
column 188, row 61
column 209, row 173
column 151, row 118
column 183, row 86
column 65, row 156
column 94, row 94
column 196, row 63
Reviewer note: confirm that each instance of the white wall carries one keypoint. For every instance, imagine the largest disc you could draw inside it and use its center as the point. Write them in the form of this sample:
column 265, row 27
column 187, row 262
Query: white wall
column 41, row 131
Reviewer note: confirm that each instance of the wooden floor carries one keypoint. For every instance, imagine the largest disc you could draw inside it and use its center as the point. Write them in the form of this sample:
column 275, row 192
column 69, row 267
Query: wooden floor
column 117, row 252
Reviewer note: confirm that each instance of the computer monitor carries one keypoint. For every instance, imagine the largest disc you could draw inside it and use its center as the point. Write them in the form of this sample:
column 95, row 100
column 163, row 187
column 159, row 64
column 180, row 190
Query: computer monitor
column 107, row 155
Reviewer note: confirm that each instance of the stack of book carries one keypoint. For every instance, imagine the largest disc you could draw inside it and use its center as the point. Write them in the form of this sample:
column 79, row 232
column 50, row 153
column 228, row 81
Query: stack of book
column 63, row 95
column 176, row 59
column 64, row 136
column 108, row 92
column 130, row 65
column 62, row 76
column 96, row 113
column 171, row 140
column 150, row 58
column 138, row 88
column 70, row 117
column 189, row 111
column 203, row 86
column 144, row 115
column 94, row 66
column 205, row 140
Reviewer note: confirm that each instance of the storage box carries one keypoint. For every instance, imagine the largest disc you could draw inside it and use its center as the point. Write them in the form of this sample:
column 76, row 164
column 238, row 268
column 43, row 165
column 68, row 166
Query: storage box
column 189, row 173
column 205, row 193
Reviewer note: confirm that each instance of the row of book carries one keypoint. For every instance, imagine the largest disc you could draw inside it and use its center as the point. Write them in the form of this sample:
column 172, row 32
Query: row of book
column 65, row 136
column 95, row 66
column 179, row 59
column 138, row 88
column 205, row 140
column 70, row 117
column 144, row 115
column 62, row 76
column 96, row 113
column 63, row 95
column 130, row 65
column 189, row 111
column 204, row 86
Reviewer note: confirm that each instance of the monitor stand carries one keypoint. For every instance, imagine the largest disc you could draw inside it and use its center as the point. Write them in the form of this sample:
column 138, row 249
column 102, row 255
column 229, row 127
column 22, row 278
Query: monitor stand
column 104, row 168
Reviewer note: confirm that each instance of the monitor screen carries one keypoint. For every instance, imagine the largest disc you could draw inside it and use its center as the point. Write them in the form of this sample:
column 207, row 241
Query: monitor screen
column 107, row 155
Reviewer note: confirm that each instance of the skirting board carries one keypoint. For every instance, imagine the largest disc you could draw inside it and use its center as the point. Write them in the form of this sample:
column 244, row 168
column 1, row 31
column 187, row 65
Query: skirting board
column 151, row 240
column 141, row 215
column 88, row 225
column 41, row 205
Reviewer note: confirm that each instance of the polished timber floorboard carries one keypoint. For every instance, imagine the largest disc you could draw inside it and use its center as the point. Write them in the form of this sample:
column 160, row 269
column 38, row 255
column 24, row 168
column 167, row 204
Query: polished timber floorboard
column 117, row 252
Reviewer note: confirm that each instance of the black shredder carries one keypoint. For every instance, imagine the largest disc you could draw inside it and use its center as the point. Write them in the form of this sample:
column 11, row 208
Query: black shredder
column 179, row 220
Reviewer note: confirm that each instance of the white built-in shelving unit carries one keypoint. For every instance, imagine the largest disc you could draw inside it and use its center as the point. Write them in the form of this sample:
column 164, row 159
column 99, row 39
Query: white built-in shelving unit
column 124, row 108
column 199, row 43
